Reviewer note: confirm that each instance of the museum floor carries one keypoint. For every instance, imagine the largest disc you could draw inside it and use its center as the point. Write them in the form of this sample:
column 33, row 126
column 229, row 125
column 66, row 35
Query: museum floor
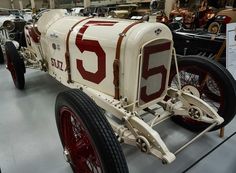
column 29, row 142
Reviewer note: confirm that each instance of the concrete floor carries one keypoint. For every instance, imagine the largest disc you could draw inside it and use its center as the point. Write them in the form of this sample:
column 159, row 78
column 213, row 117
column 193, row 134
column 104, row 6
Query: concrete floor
column 29, row 142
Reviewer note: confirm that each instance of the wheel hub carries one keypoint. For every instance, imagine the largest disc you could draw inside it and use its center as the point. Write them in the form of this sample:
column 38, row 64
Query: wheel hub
column 143, row 144
column 195, row 112
column 192, row 90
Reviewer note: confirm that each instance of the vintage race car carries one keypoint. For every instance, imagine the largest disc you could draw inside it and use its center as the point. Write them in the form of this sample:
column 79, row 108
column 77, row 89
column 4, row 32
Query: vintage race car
column 8, row 17
column 123, row 86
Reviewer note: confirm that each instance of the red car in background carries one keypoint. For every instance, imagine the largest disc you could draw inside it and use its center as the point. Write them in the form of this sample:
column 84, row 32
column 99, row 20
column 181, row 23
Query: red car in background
column 221, row 20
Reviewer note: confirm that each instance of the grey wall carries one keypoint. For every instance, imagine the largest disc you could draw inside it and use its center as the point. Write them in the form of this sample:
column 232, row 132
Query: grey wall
column 7, row 3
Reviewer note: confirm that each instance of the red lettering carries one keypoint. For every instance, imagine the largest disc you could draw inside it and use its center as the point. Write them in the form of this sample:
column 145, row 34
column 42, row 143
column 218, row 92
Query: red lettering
column 56, row 63
column 92, row 46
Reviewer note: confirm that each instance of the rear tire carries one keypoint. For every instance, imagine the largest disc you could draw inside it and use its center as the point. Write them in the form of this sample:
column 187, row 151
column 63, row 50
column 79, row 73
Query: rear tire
column 218, row 91
column 1, row 55
column 87, row 137
column 15, row 65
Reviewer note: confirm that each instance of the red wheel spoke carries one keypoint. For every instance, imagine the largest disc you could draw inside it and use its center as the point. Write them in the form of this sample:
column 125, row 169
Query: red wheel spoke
column 83, row 149
column 68, row 131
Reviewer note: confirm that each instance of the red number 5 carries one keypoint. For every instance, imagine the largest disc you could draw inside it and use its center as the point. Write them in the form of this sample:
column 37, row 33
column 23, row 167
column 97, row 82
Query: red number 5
column 157, row 70
column 92, row 46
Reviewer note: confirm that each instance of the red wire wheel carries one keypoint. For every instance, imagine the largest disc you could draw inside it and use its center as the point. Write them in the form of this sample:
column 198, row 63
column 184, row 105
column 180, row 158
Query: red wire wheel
column 15, row 65
column 90, row 146
column 211, row 82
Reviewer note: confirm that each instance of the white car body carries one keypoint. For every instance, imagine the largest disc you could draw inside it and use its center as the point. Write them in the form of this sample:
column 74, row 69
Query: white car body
column 52, row 32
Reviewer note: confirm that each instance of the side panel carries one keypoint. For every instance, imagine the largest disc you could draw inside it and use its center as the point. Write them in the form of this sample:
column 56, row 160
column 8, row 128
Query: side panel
column 53, row 43
column 55, row 46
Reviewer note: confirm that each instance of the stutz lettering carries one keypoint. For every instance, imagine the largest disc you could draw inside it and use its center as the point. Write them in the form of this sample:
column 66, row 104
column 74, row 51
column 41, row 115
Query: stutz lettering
column 56, row 63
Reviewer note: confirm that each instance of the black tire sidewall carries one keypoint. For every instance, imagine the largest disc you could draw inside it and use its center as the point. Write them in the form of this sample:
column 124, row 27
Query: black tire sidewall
column 18, row 64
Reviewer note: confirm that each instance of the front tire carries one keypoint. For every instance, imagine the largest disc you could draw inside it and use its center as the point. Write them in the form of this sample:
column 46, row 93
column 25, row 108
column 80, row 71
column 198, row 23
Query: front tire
column 15, row 65
column 88, row 140
column 218, row 90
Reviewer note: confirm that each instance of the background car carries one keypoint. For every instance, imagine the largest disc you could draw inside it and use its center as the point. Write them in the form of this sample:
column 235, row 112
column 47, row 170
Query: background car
column 193, row 15
column 221, row 20
column 5, row 15
column 131, row 11
column 196, row 42
column 11, row 28
column 89, row 11
column 27, row 14
column 77, row 11
column 124, row 11
column 16, row 13
column 101, row 11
